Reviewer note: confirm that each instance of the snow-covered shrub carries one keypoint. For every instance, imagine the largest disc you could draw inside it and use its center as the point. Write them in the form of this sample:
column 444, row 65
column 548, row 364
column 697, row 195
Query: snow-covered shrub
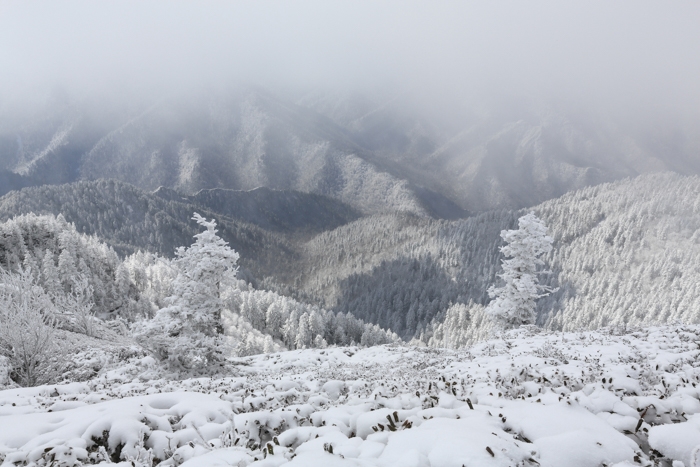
column 462, row 326
column 77, row 306
column 5, row 370
column 188, row 332
column 514, row 302
column 533, row 397
column 27, row 330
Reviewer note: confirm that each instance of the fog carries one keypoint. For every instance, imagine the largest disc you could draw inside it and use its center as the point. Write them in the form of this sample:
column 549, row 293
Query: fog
column 645, row 54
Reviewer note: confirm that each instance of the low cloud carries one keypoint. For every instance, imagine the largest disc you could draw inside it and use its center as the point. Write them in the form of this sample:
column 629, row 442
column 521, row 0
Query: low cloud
column 615, row 55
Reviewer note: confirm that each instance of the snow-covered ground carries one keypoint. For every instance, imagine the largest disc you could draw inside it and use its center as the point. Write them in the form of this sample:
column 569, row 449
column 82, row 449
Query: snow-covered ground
column 548, row 399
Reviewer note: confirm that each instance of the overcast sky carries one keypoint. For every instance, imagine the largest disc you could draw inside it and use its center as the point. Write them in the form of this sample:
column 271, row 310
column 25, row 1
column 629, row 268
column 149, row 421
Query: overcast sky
column 627, row 51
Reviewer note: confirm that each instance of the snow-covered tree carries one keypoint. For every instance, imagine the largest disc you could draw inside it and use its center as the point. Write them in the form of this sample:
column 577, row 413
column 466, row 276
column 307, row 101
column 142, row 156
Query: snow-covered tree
column 77, row 306
column 28, row 329
column 304, row 336
column 291, row 329
column 188, row 331
column 513, row 303
column 275, row 318
column 52, row 281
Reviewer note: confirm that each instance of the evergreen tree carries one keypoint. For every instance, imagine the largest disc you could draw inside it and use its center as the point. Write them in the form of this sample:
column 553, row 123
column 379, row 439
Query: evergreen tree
column 304, row 337
column 52, row 282
column 274, row 319
column 188, row 331
column 514, row 302
column 123, row 282
column 291, row 329
column 268, row 345
column 67, row 269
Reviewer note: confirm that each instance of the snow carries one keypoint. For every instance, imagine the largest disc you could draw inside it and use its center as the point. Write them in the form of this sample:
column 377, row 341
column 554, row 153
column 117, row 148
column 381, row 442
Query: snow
column 529, row 398
column 679, row 441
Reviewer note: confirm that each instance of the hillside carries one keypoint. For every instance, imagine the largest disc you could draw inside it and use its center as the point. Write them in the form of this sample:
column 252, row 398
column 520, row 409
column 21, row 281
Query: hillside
column 56, row 255
column 284, row 211
column 529, row 399
column 128, row 219
column 625, row 254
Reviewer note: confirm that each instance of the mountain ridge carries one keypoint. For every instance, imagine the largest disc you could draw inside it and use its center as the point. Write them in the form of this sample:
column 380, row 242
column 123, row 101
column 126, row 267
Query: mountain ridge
column 379, row 153
column 286, row 211
column 406, row 272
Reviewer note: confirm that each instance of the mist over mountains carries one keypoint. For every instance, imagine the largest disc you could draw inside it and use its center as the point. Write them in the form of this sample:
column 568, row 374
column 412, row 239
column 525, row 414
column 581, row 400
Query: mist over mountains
column 372, row 203
column 378, row 153
column 349, row 233
column 518, row 152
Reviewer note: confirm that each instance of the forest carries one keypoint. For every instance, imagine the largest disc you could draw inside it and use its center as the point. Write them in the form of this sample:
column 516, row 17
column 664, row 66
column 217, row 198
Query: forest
column 408, row 320
column 304, row 233
column 624, row 255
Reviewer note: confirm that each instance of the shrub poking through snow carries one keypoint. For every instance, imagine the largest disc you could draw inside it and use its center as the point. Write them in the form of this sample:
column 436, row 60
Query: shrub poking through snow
column 550, row 399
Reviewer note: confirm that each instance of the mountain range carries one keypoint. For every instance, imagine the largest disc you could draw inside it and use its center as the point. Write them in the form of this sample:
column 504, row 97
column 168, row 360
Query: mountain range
column 379, row 153
column 625, row 253
column 372, row 204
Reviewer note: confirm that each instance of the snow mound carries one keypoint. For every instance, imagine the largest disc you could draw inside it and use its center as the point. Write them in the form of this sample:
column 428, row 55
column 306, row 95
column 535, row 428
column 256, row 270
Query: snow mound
column 528, row 399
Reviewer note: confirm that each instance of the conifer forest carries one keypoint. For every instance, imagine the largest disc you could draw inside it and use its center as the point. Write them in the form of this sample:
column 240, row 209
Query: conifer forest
column 349, row 234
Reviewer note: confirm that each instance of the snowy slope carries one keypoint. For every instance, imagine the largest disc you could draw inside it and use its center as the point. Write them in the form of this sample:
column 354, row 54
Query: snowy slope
column 505, row 152
column 533, row 398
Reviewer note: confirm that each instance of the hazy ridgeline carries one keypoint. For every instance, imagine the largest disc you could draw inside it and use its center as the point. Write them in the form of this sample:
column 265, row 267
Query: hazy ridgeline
column 364, row 183
column 378, row 153
column 349, row 233
column 624, row 254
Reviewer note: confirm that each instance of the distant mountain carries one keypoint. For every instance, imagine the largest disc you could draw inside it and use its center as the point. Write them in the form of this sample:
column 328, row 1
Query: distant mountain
column 626, row 253
column 12, row 181
column 379, row 153
column 245, row 141
column 47, row 146
column 128, row 219
column 284, row 211
column 509, row 153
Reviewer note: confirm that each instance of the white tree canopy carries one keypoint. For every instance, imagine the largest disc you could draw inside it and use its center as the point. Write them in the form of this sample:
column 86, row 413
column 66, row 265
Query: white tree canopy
column 28, row 329
column 204, row 269
column 513, row 303
column 188, row 331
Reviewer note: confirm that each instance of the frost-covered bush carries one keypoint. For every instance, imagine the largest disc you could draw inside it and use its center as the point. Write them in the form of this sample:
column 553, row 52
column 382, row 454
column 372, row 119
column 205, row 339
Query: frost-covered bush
column 462, row 326
column 77, row 306
column 5, row 371
column 28, row 329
